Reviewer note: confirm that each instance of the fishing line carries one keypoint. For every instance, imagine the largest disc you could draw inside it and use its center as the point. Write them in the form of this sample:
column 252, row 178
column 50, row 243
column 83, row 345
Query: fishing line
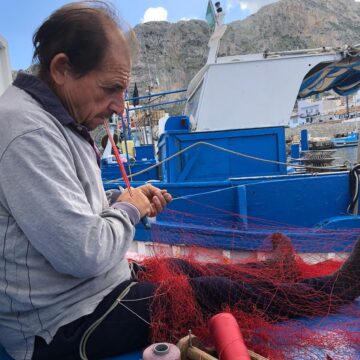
column 93, row 326
column 119, row 301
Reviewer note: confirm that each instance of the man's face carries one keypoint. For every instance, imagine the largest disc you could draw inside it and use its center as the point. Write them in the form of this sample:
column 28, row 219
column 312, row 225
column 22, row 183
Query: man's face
column 100, row 93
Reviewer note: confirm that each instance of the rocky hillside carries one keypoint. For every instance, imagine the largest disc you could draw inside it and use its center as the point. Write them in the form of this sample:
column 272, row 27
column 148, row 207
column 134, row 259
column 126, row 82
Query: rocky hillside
column 172, row 53
column 295, row 24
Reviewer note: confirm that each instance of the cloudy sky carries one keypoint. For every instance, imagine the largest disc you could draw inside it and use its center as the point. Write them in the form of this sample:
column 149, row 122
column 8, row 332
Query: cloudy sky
column 20, row 18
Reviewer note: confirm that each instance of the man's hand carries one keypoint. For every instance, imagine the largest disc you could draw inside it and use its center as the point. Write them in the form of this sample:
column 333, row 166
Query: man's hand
column 148, row 199
column 158, row 198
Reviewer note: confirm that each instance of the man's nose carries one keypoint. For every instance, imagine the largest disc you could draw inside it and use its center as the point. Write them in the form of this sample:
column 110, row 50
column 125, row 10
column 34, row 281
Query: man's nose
column 117, row 105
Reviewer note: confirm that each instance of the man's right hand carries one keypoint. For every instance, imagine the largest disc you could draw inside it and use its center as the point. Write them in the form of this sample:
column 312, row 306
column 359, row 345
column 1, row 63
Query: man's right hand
column 138, row 199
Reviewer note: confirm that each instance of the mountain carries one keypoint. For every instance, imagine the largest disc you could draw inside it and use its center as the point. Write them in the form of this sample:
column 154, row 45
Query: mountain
column 170, row 54
column 173, row 53
column 295, row 24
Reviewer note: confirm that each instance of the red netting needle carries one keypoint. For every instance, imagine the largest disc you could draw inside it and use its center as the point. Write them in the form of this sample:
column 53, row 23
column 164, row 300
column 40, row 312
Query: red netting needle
column 118, row 157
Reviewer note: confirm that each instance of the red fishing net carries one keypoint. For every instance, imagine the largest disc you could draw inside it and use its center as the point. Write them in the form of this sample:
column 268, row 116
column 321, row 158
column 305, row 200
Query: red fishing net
column 287, row 304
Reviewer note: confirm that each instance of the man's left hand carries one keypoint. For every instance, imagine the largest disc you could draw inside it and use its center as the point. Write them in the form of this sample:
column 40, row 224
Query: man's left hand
column 158, row 198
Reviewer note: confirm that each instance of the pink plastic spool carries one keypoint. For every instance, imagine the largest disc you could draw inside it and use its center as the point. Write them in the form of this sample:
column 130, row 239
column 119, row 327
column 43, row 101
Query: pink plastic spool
column 161, row 351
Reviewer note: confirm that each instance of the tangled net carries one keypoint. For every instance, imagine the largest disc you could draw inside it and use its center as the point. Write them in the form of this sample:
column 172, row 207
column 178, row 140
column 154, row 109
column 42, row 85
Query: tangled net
column 286, row 307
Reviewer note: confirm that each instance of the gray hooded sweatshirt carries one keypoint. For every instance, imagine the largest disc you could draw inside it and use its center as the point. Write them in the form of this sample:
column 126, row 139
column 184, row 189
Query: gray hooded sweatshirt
column 62, row 247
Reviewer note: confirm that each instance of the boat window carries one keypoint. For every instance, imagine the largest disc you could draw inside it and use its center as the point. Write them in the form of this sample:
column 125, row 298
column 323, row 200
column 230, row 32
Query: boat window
column 193, row 103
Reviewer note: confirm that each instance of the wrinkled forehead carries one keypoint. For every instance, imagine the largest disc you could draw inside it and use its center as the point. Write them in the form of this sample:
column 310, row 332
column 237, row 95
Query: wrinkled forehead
column 119, row 48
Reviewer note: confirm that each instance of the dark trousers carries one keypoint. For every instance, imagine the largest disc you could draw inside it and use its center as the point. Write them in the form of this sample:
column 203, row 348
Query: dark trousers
column 122, row 331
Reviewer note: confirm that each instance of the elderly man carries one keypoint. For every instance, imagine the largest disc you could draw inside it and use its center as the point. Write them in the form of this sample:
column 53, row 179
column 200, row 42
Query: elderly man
column 62, row 245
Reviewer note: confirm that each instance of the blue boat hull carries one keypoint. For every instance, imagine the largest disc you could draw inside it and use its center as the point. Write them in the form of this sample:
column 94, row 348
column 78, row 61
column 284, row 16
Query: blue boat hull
column 351, row 140
column 246, row 210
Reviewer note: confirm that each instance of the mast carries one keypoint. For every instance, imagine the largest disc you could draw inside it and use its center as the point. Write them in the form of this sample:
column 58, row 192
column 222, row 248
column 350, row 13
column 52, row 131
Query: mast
column 215, row 18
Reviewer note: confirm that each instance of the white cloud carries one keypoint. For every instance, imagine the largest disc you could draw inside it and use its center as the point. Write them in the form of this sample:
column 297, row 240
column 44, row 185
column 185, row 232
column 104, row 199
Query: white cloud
column 191, row 18
column 155, row 14
column 244, row 5
column 250, row 5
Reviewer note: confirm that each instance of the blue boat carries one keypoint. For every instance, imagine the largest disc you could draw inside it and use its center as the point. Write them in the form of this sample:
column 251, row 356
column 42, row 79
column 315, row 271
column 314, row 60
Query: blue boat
column 351, row 139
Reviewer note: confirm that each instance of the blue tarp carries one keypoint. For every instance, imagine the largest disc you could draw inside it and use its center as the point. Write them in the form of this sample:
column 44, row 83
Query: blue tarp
column 342, row 76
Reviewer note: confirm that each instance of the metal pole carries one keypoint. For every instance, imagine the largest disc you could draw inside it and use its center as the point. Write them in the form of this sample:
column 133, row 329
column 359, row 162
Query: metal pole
column 159, row 104
column 156, row 94
column 304, row 140
column 126, row 148
column 128, row 120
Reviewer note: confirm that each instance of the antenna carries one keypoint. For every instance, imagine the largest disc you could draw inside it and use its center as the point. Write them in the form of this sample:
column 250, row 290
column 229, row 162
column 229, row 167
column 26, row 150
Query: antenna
column 218, row 7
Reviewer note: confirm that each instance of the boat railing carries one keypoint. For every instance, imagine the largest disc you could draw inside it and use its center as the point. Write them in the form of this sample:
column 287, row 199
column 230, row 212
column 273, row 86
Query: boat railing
column 156, row 96
column 346, row 50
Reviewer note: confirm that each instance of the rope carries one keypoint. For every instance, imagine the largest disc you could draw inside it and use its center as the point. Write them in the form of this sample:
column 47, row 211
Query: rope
column 93, row 326
column 119, row 301
column 354, row 188
column 228, row 151
column 185, row 197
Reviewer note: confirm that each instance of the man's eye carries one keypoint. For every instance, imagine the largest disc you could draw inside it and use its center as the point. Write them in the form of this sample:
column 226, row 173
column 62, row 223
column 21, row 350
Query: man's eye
column 113, row 90
column 110, row 90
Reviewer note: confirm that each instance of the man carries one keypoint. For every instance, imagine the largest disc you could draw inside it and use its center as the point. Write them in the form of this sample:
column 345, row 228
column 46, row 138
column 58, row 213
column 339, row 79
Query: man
column 62, row 245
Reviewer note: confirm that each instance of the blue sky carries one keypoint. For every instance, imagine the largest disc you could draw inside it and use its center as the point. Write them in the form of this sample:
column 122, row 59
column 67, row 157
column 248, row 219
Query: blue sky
column 20, row 18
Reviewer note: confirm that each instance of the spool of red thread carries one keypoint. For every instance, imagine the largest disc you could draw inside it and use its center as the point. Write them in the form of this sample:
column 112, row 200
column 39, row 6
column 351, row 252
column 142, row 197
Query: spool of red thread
column 227, row 338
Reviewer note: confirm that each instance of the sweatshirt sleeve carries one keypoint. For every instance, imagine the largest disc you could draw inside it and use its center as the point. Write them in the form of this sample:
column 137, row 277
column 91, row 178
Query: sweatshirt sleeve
column 42, row 192
column 112, row 195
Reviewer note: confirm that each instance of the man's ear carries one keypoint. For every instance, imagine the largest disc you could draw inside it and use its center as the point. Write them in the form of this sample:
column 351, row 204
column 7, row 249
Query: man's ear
column 60, row 68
